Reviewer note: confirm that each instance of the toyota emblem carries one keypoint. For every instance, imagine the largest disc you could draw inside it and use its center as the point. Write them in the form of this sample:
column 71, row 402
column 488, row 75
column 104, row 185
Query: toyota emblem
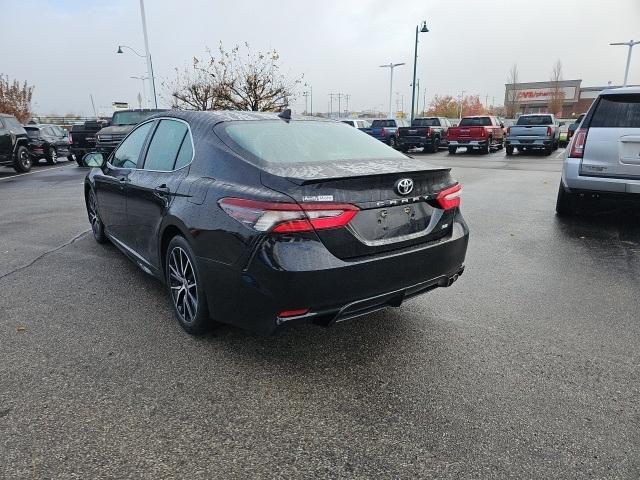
column 404, row 186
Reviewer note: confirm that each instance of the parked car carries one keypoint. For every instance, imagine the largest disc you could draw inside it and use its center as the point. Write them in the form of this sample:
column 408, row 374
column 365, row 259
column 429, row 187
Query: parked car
column 534, row 132
column 356, row 122
column 385, row 129
column 426, row 133
column 603, row 159
column 122, row 122
column 574, row 126
column 14, row 144
column 83, row 137
column 484, row 132
column 261, row 219
column 47, row 142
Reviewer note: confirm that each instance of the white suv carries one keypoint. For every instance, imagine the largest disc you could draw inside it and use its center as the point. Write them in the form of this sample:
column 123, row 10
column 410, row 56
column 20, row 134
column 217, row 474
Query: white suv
column 603, row 159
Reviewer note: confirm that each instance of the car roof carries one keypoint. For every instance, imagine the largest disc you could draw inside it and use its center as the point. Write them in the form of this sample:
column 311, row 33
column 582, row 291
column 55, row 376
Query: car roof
column 218, row 116
column 620, row 91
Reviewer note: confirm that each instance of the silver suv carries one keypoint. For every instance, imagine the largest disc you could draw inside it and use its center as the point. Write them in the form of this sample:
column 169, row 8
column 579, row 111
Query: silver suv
column 603, row 159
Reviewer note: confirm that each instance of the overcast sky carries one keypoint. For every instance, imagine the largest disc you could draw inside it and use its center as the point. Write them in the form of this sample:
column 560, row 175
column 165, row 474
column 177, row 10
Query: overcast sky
column 67, row 49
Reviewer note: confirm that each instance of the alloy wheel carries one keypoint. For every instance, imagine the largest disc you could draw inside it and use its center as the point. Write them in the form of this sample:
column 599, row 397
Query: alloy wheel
column 53, row 155
column 184, row 288
column 25, row 159
column 94, row 219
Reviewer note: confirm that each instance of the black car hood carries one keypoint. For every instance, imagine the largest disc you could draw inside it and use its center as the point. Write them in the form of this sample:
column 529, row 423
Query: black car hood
column 309, row 172
column 116, row 130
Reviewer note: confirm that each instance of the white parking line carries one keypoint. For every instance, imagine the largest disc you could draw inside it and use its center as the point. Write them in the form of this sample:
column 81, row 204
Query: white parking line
column 560, row 153
column 29, row 173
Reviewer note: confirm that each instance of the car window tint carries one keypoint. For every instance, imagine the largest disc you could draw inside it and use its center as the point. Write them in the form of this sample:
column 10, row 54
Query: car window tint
column 164, row 146
column 303, row 142
column 126, row 155
column 617, row 111
column 426, row 122
column 475, row 122
column 535, row 120
column 185, row 154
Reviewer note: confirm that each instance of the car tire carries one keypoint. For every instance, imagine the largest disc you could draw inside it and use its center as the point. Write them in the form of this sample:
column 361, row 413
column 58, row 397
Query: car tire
column 435, row 145
column 185, row 288
column 453, row 149
column 52, row 156
column 509, row 150
column 70, row 157
column 392, row 142
column 487, row 148
column 97, row 227
column 548, row 150
column 566, row 202
column 22, row 162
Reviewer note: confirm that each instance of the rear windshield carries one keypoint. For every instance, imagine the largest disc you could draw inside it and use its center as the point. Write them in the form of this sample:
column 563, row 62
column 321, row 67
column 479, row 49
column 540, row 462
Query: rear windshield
column 617, row 111
column 383, row 123
column 535, row 120
column 475, row 122
column 32, row 132
column 284, row 143
column 425, row 122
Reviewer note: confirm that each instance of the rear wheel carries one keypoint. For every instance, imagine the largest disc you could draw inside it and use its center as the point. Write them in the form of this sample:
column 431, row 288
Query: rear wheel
column 52, row 156
column 487, row 148
column 97, row 227
column 453, row 149
column 22, row 163
column 435, row 145
column 185, row 288
column 509, row 150
column 566, row 202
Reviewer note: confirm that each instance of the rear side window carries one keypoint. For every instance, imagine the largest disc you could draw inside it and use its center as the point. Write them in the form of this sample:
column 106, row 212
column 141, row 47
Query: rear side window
column 475, row 122
column 185, row 154
column 535, row 120
column 617, row 111
column 284, row 143
column 164, row 146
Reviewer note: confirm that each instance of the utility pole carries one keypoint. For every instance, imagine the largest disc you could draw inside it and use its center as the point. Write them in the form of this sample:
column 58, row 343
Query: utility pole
column 629, row 44
column 331, row 95
column 148, row 55
column 460, row 107
column 424, row 101
column 305, row 95
column 339, row 106
column 417, row 99
column 391, row 66
column 346, row 98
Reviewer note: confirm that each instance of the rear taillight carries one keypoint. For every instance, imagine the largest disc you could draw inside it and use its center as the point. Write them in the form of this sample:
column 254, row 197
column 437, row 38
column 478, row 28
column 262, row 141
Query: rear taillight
column 288, row 217
column 383, row 132
column 549, row 132
column 577, row 145
column 483, row 132
column 450, row 197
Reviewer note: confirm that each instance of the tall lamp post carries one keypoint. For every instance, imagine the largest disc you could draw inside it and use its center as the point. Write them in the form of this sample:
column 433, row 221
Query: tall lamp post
column 391, row 66
column 424, row 29
column 149, row 72
column 629, row 44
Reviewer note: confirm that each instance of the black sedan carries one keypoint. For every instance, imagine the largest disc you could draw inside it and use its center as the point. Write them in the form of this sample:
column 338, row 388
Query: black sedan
column 259, row 219
column 48, row 141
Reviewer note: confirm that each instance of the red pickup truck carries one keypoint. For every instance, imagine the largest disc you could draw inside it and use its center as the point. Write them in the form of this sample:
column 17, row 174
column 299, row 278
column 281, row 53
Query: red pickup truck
column 483, row 131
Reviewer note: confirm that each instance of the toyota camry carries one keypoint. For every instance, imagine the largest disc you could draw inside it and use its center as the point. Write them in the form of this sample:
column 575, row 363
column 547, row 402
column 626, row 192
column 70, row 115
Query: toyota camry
column 261, row 219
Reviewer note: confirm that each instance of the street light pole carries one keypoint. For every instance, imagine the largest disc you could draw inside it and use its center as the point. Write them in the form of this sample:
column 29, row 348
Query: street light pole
column 629, row 44
column 391, row 66
column 424, row 29
column 148, row 55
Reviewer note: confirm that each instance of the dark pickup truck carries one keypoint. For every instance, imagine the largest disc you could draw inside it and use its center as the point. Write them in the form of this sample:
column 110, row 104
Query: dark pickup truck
column 83, row 138
column 384, row 129
column 427, row 133
column 122, row 122
column 14, row 144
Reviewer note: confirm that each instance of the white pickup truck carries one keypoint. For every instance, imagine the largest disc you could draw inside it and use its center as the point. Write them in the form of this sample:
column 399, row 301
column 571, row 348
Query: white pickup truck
column 533, row 132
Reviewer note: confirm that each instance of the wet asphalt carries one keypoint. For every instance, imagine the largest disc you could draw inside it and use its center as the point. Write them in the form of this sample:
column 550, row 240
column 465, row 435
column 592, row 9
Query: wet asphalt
column 527, row 367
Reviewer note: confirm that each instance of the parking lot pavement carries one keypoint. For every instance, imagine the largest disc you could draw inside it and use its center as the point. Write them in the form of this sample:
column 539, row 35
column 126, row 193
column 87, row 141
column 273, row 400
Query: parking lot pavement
column 527, row 367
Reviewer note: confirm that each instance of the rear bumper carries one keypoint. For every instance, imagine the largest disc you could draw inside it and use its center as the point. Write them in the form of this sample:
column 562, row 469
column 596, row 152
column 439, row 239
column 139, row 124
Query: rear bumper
column 292, row 275
column 529, row 143
column 414, row 141
column 468, row 143
column 572, row 180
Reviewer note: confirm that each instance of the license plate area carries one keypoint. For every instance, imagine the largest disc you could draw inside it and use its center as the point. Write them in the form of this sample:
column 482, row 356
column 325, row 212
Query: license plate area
column 382, row 225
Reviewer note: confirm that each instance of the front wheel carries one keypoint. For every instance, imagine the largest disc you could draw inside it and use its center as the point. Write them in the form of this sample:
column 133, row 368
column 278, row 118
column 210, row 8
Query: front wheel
column 453, row 149
column 52, row 157
column 185, row 287
column 97, row 227
column 22, row 162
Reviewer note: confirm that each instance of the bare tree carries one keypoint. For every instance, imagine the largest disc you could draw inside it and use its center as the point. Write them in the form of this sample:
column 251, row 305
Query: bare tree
column 511, row 100
column 15, row 98
column 235, row 80
column 556, row 100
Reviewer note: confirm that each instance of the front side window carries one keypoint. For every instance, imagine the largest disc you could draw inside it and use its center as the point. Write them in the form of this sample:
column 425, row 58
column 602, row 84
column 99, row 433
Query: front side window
column 305, row 142
column 164, row 146
column 617, row 111
column 127, row 154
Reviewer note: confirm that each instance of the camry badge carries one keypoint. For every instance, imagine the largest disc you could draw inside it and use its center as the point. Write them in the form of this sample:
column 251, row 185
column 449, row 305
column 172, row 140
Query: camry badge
column 404, row 186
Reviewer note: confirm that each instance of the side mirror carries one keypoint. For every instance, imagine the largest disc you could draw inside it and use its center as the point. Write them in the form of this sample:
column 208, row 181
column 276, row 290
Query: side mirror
column 93, row 159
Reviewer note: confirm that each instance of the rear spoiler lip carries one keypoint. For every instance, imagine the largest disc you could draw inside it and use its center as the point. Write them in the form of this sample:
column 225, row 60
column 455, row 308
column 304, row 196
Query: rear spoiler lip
column 310, row 181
